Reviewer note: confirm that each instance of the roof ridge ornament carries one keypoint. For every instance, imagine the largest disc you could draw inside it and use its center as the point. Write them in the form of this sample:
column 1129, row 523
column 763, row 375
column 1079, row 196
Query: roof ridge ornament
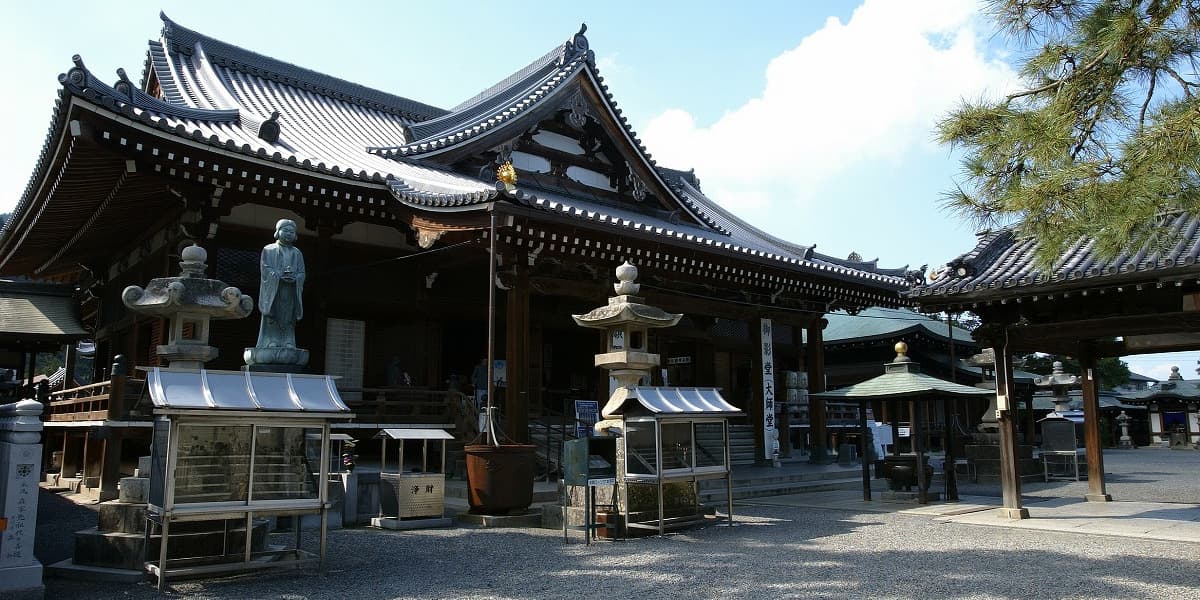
column 576, row 46
column 124, row 85
column 268, row 131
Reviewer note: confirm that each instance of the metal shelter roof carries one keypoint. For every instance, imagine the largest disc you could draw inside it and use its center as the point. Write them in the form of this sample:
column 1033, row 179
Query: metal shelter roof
column 667, row 401
column 415, row 434
column 243, row 391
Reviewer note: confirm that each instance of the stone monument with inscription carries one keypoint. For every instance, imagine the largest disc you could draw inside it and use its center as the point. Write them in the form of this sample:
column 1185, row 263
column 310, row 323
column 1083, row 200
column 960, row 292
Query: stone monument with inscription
column 20, row 466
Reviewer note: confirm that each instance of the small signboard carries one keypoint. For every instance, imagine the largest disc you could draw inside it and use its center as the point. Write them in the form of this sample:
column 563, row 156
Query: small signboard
column 587, row 412
column 500, row 373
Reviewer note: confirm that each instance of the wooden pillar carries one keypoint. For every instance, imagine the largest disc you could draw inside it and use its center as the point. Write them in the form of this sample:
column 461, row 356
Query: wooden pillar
column 1010, row 472
column 69, row 360
column 536, row 376
column 1029, row 421
column 434, row 377
column 814, row 362
column 317, row 290
column 951, row 476
column 516, row 335
column 916, row 433
column 1091, row 426
column 864, row 450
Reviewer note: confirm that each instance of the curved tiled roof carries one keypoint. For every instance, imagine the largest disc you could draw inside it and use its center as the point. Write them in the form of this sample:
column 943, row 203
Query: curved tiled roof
column 222, row 107
column 219, row 95
column 177, row 39
column 1002, row 261
column 498, row 105
column 878, row 323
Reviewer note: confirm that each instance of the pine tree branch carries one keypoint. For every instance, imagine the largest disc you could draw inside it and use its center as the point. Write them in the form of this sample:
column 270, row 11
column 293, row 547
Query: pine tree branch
column 1059, row 82
column 1146, row 104
column 1183, row 83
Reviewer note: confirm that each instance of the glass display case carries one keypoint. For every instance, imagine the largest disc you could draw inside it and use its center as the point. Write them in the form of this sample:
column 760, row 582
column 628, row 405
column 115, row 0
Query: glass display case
column 228, row 450
column 671, row 439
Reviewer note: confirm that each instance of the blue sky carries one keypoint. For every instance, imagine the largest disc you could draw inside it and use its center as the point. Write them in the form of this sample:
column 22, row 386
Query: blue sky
column 812, row 120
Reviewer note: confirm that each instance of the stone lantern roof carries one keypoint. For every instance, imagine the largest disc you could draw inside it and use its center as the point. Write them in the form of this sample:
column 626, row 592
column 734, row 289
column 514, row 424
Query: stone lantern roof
column 626, row 307
column 190, row 292
column 190, row 301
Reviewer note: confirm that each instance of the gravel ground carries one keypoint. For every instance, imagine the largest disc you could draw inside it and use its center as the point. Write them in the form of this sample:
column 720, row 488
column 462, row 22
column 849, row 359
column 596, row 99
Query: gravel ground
column 778, row 552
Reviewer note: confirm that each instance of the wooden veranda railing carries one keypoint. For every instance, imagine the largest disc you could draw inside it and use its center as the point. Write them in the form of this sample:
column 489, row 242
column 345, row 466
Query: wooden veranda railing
column 413, row 405
column 107, row 400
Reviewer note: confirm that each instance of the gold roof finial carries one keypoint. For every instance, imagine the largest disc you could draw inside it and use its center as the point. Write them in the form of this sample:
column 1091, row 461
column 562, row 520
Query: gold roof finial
column 902, row 352
column 507, row 175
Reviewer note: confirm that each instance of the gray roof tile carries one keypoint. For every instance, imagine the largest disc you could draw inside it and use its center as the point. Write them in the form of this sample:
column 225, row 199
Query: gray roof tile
column 1001, row 261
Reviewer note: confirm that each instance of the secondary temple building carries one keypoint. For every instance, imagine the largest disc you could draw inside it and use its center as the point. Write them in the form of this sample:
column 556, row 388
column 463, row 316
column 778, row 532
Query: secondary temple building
column 394, row 201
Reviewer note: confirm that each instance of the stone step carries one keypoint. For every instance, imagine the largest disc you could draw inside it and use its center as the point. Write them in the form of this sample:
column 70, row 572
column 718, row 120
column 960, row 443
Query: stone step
column 717, row 496
column 780, row 479
column 458, row 489
column 129, row 550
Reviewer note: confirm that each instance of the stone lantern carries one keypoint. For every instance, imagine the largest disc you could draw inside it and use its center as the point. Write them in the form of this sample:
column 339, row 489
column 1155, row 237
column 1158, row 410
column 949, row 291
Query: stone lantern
column 626, row 322
column 1125, row 441
column 1060, row 384
column 189, row 301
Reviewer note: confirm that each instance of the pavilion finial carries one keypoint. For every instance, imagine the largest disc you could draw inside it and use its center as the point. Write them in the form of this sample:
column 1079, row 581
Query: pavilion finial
column 902, row 352
column 1175, row 376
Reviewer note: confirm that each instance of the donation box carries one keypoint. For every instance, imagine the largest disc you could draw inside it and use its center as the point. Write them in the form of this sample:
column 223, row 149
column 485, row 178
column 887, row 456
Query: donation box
column 590, row 461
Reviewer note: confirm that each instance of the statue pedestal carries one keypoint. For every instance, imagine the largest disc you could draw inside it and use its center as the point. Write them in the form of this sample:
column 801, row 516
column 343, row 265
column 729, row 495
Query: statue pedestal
column 276, row 360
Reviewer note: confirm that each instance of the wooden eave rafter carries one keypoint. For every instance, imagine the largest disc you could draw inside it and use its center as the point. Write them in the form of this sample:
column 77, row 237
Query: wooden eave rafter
column 532, row 233
column 1120, row 283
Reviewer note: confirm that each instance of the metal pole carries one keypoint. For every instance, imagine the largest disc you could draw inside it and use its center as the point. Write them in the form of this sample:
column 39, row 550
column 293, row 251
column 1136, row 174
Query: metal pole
column 250, row 493
column 866, row 452
column 323, row 491
column 728, row 472
column 491, row 332
column 382, row 470
column 658, row 471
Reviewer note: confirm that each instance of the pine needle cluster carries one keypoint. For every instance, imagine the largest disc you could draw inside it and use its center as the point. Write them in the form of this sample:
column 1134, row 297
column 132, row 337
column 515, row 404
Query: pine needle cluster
column 1104, row 140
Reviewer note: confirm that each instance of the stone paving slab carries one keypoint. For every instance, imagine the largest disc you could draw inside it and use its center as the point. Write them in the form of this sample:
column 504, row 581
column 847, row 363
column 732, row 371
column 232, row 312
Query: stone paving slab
column 1141, row 520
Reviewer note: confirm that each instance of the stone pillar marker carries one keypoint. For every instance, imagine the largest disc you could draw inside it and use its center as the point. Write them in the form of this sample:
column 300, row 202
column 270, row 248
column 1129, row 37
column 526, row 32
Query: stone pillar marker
column 20, row 462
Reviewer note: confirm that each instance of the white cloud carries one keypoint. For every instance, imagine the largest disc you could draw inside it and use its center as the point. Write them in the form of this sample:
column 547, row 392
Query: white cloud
column 851, row 95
